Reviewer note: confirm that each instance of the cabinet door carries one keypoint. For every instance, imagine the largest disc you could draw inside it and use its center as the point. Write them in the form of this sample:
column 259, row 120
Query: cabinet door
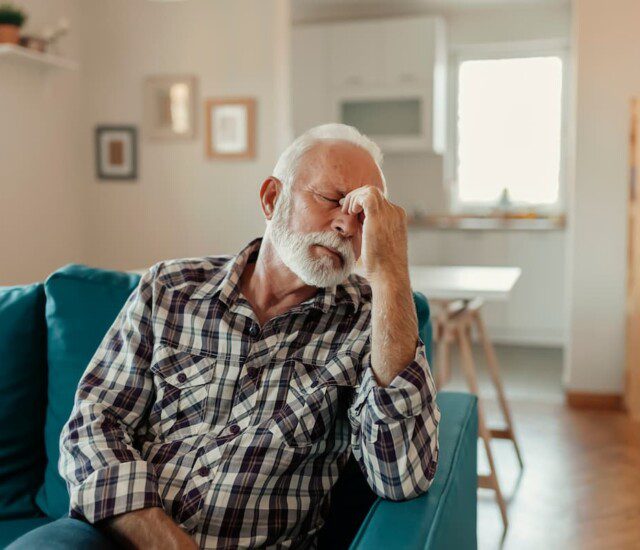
column 409, row 51
column 310, row 75
column 355, row 54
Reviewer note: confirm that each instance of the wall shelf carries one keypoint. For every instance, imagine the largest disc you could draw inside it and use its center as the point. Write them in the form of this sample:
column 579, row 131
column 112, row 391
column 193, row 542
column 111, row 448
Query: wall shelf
column 487, row 223
column 28, row 56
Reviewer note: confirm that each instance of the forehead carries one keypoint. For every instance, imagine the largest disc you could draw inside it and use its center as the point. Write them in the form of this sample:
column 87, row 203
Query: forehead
column 337, row 166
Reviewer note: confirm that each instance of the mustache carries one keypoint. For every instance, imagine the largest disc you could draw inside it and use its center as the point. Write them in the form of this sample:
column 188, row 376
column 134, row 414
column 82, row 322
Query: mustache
column 333, row 240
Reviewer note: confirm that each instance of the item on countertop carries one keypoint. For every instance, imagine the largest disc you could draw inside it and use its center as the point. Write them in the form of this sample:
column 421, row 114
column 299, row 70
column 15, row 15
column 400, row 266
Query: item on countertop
column 11, row 19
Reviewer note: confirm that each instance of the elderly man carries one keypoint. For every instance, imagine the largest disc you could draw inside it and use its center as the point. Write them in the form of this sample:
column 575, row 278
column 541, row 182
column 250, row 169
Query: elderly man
column 227, row 395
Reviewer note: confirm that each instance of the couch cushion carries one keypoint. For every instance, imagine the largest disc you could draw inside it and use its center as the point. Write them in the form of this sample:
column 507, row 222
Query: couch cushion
column 23, row 397
column 12, row 529
column 82, row 303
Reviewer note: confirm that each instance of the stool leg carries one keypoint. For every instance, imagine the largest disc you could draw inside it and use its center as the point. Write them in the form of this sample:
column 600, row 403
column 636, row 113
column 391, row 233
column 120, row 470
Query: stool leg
column 442, row 359
column 494, row 372
column 470, row 374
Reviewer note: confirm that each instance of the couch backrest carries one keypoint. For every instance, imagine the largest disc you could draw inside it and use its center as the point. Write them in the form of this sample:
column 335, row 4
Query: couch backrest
column 23, row 378
column 82, row 303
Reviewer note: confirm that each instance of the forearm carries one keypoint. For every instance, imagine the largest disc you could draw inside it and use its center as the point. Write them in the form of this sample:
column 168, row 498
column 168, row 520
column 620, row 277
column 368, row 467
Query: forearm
column 394, row 429
column 147, row 528
column 394, row 325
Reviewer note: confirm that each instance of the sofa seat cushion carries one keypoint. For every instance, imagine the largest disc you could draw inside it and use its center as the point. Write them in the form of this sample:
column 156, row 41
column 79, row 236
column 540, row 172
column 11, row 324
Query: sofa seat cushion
column 23, row 398
column 82, row 303
column 11, row 529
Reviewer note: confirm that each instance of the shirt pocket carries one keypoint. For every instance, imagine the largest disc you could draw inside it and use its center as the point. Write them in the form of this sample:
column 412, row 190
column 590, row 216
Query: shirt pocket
column 314, row 397
column 182, row 382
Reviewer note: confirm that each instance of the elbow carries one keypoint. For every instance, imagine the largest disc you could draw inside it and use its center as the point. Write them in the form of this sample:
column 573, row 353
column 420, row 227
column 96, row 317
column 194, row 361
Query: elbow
column 410, row 483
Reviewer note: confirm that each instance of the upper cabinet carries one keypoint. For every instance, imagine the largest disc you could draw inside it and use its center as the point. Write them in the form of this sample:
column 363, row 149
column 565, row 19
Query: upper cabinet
column 354, row 50
column 387, row 77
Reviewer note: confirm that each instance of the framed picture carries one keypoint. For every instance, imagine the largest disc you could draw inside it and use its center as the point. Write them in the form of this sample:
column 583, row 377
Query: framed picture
column 116, row 152
column 169, row 107
column 231, row 128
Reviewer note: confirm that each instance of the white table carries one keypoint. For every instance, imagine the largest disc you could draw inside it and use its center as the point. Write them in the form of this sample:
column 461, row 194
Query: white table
column 457, row 294
column 464, row 282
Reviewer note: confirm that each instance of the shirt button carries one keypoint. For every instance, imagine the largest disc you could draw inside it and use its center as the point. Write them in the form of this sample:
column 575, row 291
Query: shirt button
column 182, row 377
column 254, row 330
column 204, row 471
column 234, row 429
column 252, row 372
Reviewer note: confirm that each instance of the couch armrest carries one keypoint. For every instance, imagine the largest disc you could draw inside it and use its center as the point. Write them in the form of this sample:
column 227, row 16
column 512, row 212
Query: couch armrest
column 444, row 517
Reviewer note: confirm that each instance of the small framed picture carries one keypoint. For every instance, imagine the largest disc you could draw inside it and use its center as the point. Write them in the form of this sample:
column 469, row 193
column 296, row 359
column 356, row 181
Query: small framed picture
column 231, row 131
column 116, row 152
column 169, row 107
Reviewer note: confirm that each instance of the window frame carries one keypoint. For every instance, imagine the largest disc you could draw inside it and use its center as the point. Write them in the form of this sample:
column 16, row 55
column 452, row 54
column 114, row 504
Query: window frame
column 506, row 50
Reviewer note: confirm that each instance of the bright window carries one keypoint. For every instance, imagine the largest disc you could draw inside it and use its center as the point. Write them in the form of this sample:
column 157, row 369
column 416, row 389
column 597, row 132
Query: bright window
column 509, row 131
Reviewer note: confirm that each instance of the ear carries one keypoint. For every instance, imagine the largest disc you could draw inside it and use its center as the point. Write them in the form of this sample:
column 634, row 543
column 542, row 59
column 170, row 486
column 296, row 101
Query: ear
column 269, row 193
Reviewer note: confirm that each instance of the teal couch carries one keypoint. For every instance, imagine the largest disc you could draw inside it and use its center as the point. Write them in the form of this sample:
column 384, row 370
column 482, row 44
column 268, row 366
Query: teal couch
column 49, row 332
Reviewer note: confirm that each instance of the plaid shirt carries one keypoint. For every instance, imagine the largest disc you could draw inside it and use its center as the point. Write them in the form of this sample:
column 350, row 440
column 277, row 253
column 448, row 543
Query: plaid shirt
column 238, row 430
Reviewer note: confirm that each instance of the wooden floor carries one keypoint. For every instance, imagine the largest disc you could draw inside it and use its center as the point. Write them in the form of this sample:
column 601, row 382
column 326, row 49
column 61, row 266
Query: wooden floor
column 581, row 484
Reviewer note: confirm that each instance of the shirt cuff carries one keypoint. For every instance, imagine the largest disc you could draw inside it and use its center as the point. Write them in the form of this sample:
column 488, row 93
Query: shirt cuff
column 408, row 394
column 114, row 490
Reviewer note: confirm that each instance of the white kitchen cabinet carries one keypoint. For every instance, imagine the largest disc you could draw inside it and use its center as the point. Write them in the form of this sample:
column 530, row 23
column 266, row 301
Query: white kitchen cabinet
column 387, row 77
column 310, row 78
column 410, row 49
column 354, row 53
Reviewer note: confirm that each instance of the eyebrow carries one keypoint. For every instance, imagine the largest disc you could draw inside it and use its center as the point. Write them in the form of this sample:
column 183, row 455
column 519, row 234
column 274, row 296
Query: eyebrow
column 326, row 191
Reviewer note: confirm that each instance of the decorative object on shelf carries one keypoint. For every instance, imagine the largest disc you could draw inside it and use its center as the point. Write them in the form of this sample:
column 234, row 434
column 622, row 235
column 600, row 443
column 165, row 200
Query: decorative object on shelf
column 53, row 35
column 11, row 19
column 169, row 107
column 230, row 124
column 33, row 42
column 116, row 152
column 47, row 40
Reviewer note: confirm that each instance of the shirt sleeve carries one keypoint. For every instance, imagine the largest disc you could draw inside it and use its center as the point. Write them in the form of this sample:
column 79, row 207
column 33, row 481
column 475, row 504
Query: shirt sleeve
column 104, row 472
column 394, row 429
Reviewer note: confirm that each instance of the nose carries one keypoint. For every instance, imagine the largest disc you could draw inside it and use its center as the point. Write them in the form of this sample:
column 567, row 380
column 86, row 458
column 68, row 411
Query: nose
column 346, row 224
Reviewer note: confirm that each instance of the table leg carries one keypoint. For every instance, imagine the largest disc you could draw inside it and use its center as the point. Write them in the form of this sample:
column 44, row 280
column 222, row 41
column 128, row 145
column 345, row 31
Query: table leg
column 443, row 366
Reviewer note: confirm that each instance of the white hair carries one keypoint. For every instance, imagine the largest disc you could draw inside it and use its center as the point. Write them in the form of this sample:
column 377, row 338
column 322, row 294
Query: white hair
column 287, row 166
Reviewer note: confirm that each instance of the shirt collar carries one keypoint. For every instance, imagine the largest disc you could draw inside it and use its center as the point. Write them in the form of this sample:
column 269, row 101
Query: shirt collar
column 225, row 282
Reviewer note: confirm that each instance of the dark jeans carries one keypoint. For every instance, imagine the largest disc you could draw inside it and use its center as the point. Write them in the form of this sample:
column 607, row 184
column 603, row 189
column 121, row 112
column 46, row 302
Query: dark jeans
column 63, row 534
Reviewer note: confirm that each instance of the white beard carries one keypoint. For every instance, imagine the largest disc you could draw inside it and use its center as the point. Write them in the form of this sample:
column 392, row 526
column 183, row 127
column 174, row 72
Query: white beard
column 294, row 249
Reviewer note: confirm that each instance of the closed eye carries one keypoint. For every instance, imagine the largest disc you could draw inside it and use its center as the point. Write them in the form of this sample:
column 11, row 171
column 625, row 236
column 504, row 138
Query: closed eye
column 328, row 199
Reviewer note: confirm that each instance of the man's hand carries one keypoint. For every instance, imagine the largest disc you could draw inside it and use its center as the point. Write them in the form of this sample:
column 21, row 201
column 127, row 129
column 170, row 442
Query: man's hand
column 394, row 323
column 147, row 528
column 384, row 232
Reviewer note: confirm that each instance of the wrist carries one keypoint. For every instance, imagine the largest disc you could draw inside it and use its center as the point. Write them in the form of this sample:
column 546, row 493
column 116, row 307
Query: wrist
column 396, row 276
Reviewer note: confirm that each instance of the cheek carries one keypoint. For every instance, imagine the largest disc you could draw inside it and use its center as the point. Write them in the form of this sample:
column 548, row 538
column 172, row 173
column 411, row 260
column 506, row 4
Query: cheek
column 308, row 217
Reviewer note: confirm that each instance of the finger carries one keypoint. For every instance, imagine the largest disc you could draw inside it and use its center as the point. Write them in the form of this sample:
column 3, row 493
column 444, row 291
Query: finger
column 362, row 201
column 344, row 204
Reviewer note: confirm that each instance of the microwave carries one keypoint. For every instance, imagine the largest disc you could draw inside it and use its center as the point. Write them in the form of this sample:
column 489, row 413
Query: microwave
column 397, row 120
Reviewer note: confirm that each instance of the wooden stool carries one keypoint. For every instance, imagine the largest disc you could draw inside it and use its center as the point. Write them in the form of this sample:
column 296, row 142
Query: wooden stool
column 454, row 324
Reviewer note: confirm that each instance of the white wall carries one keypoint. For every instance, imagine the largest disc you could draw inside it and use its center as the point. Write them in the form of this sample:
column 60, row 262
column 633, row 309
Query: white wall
column 41, row 208
column 536, row 313
column 607, row 48
column 53, row 209
column 182, row 204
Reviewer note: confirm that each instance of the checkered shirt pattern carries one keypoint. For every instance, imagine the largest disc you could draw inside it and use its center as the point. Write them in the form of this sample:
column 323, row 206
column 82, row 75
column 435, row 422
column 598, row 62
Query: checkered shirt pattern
column 238, row 430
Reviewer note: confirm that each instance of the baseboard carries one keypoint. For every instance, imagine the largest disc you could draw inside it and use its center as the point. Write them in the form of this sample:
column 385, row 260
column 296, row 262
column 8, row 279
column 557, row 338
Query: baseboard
column 533, row 337
column 595, row 401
